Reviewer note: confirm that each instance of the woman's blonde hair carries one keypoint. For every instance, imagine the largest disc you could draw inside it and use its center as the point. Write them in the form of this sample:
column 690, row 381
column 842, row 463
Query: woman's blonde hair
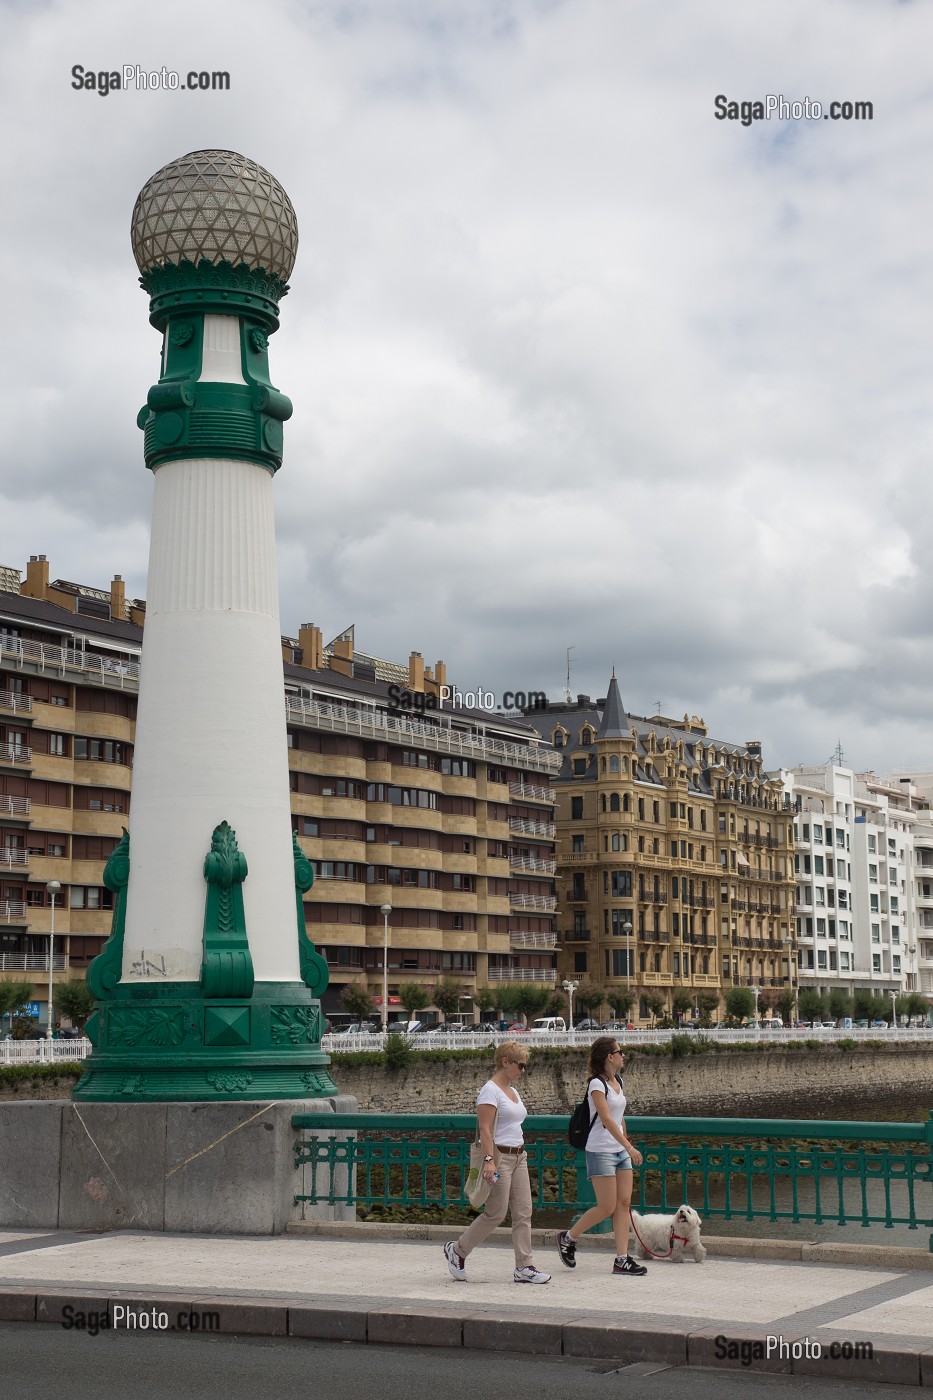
column 506, row 1052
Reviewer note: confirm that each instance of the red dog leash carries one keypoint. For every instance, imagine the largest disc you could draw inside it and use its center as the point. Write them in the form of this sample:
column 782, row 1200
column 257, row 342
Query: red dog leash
column 673, row 1237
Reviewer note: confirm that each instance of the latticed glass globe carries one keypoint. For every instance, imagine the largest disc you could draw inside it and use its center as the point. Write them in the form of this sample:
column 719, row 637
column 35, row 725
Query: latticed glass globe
column 215, row 205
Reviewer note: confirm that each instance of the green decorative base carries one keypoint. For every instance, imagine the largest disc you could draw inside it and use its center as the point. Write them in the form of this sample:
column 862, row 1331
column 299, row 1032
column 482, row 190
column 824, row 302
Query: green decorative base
column 168, row 1042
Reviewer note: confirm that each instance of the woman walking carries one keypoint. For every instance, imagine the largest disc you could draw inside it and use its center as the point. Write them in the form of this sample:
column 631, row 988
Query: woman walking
column 609, row 1159
column 500, row 1114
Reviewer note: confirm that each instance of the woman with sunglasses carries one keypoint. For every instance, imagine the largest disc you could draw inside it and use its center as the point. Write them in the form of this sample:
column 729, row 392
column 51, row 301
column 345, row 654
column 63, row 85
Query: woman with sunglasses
column 499, row 1107
column 609, row 1159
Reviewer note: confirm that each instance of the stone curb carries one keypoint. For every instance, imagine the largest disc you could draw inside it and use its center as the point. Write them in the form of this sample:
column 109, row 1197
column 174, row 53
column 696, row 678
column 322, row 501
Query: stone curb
column 863, row 1256
column 588, row 1336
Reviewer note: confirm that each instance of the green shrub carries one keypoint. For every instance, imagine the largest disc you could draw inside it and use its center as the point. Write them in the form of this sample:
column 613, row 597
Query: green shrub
column 847, row 1043
column 398, row 1051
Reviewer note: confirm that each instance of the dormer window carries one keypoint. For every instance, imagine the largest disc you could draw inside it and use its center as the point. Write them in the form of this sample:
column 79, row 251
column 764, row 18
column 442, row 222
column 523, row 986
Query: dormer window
column 586, row 736
column 560, row 738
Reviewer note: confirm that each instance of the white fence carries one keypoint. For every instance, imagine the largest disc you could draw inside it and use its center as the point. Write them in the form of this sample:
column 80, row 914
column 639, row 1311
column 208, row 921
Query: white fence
column 42, row 1052
column 464, row 1040
column 20, row 1052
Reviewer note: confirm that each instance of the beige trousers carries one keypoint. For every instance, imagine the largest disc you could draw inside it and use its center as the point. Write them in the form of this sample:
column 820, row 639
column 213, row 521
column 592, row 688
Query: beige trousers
column 511, row 1192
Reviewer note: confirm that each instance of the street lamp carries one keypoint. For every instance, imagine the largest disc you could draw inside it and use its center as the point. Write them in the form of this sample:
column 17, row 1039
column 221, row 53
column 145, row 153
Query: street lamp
column 53, row 887
column 627, row 930
column 570, row 988
column 385, row 910
column 756, row 993
column 893, row 995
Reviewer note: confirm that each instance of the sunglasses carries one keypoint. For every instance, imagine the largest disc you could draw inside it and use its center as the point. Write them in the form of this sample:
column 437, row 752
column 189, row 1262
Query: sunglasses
column 519, row 1064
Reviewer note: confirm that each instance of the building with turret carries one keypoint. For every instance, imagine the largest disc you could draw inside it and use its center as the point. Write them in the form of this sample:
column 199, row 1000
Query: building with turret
column 674, row 857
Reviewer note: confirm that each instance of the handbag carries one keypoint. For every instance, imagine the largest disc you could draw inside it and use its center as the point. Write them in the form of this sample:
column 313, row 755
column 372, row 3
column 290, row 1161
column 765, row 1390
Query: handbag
column 477, row 1188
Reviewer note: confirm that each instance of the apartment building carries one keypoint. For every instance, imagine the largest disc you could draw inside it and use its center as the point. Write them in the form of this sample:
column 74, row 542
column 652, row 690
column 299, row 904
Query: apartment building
column 443, row 814
column 864, row 845
column 674, row 855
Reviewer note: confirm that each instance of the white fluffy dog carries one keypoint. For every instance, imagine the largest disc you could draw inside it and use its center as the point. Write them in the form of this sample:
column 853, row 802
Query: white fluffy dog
column 668, row 1236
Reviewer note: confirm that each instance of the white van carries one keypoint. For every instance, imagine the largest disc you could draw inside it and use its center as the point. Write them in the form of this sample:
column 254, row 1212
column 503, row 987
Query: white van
column 548, row 1023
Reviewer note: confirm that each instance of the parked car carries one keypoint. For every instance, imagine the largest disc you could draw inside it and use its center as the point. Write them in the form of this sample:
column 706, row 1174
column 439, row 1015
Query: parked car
column 588, row 1024
column 548, row 1024
column 70, row 1033
column 615, row 1026
column 516, row 1028
column 486, row 1028
column 879, row 1025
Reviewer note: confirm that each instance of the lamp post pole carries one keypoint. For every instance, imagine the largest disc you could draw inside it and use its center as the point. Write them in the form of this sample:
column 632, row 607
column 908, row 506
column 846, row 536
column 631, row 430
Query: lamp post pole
column 627, row 930
column 570, row 988
column 756, row 992
column 894, row 1011
column 385, row 911
column 53, row 887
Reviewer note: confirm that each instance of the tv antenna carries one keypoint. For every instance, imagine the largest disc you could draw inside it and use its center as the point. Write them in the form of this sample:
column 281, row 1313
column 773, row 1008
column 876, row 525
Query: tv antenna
column 567, row 692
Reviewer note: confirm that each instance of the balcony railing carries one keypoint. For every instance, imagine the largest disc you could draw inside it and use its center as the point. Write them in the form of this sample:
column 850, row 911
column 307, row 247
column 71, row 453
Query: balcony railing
column 11, row 855
column 111, row 670
column 441, row 737
column 529, row 828
column 31, row 962
column 538, row 794
column 15, row 753
column 519, row 939
column 533, row 901
column 540, row 867
column 13, row 700
column 13, row 806
column 581, row 857
column 522, row 974
column 12, row 909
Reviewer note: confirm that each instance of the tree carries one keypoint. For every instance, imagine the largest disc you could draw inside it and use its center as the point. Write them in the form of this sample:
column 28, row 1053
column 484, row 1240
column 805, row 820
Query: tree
column 509, row 995
column 590, row 995
column 13, row 997
column 840, row 1004
column 533, row 998
column 863, row 1002
column 784, row 1005
column 682, row 1002
column 620, row 1002
column 655, row 1003
column 72, row 999
column 446, row 996
column 557, row 1006
column 414, row 997
column 812, row 1005
column 707, row 1003
column 356, row 1000
column 740, row 1003
column 915, row 1004
column 487, row 1000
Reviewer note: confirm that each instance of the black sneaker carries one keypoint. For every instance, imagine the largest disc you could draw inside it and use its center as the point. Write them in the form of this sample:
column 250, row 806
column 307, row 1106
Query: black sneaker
column 567, row 1249
column 625, row 1264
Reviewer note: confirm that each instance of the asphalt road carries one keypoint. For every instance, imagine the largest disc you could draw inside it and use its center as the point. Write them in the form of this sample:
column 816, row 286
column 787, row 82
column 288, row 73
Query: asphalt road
column 43, row 1359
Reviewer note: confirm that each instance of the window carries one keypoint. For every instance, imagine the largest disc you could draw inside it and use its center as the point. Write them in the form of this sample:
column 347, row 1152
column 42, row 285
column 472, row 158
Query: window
column 613, row 763
column 819, row 895
column 89, row 897
column 820, row 926
column 876, row 933
column 579, row 962
column 894, row 908
column 844, row 961
column 579, row 767
column 872, row 846
column 57, row 745
column 873, row 903
column 614, row 802
column 576, row 809
column 821, row 959
column 578, row 845
column 876, row 962
column 895, row 963
column 621, row 884
column 616, row 843
column 818, row 865
column 818, row 831
column 99, row 750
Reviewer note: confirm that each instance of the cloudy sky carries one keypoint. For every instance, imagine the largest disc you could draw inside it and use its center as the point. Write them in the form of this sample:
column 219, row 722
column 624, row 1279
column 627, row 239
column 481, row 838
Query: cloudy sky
column 573, row 361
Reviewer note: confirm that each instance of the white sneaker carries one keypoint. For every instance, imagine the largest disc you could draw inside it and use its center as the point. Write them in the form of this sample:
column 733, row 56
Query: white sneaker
column 530, row 1275
column 455, row 1262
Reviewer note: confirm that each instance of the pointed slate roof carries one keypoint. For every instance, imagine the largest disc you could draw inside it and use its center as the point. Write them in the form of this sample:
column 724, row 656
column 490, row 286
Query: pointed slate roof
column 615, row 724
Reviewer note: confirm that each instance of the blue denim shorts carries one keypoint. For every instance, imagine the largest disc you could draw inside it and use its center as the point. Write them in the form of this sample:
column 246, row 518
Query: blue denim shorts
column 608, row 1163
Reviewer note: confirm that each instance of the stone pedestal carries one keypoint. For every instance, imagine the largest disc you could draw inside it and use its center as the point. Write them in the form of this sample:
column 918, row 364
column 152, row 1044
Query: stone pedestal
column 208, row 1167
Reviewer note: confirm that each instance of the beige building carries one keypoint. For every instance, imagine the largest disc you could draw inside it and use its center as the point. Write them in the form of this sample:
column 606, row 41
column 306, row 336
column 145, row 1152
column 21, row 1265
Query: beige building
column 445, row 814
column 675, row 856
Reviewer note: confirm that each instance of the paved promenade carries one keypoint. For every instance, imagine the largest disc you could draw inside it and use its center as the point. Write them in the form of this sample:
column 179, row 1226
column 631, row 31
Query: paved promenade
column 395, row 1288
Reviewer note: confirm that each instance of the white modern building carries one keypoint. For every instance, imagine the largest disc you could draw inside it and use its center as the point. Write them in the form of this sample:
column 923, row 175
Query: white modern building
column 864, row 865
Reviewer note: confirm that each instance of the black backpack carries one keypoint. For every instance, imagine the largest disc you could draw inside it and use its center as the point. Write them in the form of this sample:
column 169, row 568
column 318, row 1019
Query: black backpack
column 578, row 1129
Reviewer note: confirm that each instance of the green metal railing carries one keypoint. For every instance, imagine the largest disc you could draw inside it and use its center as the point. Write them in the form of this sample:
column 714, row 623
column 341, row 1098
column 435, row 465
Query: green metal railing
column 735, row 1168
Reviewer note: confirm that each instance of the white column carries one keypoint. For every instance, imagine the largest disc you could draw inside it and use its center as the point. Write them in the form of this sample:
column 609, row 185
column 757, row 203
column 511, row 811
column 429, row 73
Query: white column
column 210, row 734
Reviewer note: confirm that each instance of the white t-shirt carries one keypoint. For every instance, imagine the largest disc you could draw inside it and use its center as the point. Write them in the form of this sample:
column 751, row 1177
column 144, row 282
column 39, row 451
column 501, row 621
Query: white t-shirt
column 600, row 1138
column 508, row 1131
